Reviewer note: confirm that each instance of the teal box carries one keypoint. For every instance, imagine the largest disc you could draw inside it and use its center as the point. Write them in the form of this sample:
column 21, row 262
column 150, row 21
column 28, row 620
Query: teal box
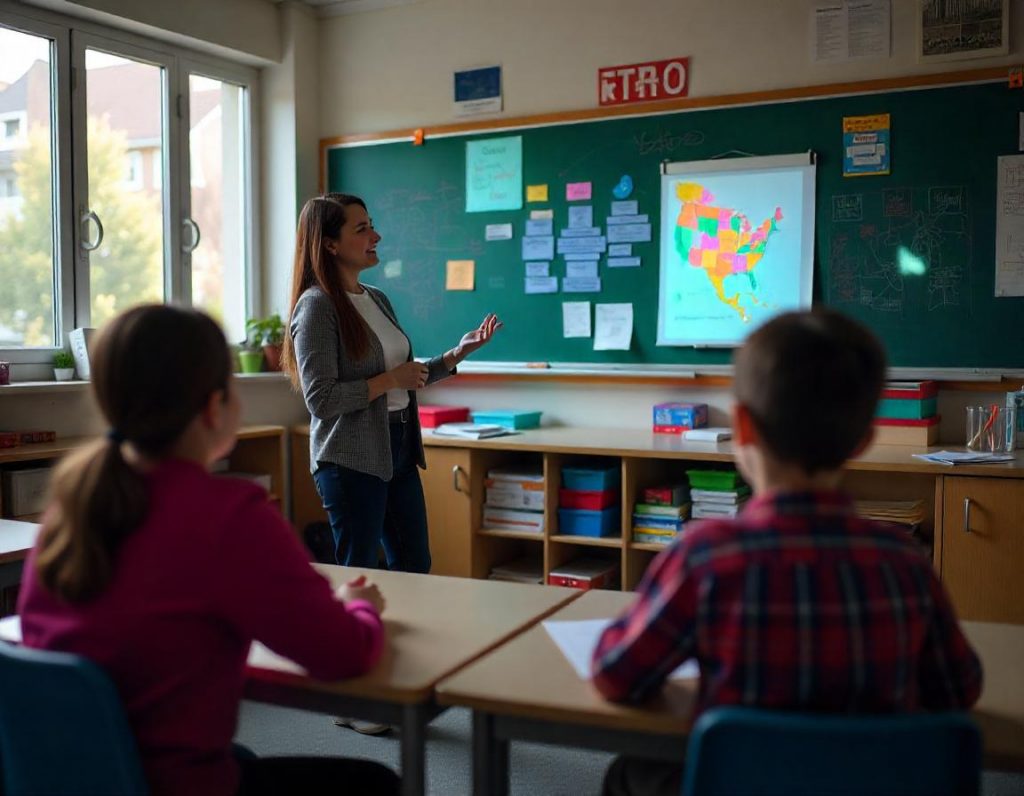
column 508, row 418
column 581, row 522
column 907, row 408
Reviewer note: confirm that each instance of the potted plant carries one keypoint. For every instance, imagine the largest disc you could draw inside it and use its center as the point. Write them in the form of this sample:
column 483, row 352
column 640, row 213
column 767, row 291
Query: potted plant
column 269, row 333
column 250, row 355
column 63, row 366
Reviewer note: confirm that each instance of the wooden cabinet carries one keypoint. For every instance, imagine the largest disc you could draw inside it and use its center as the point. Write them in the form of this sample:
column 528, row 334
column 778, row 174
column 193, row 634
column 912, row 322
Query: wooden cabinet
column 448, row 489
column 981, row 558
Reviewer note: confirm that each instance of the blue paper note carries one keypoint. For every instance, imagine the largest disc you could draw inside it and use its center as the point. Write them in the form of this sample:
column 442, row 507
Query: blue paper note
column 581, row 216
column 641, row 219
column 620, row 250
column 625, row 208
column 588, row 285
column 538, row 269
column 629, row 233
column 581, row 269
column 623, row 262
column 582, row 256
column 494, row 174
column 571, row 245
column 541, row 284
column 539, row 226
column 580, row 232
column 540, row 247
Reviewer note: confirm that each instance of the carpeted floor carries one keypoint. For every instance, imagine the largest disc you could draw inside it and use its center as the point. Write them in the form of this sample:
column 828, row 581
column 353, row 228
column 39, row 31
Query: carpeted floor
column 537, row 770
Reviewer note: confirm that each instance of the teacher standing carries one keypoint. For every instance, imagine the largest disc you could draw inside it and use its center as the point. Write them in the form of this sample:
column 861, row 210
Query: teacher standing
column 353, row 363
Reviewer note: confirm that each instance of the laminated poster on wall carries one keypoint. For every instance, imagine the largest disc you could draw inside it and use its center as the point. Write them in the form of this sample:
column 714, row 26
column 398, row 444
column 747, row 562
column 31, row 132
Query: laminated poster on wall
column 494, row 174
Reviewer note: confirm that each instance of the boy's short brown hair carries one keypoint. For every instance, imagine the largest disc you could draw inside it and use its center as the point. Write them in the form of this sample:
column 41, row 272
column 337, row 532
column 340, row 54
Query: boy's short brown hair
column 811, row 382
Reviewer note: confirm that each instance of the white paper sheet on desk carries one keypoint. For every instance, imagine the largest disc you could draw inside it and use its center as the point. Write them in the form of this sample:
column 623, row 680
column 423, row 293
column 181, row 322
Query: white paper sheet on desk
column 577, row 640
column 10, row 629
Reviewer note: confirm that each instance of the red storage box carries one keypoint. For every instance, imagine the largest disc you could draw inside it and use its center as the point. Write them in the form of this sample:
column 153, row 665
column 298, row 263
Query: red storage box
column 587, row 499
column 434, row 416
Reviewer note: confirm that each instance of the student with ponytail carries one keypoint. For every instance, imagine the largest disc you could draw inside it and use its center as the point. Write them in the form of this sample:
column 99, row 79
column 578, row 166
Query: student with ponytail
column 163, row 574
column 347, row 353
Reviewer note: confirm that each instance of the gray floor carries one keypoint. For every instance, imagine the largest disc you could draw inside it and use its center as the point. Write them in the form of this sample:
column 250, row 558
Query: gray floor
column 537, row 770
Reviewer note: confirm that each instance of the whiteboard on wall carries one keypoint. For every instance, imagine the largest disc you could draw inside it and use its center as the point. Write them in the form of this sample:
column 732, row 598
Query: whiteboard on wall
column 737, row 246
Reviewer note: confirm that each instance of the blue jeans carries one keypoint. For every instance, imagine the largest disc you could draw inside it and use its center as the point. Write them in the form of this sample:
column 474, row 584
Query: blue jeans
column 366, row 511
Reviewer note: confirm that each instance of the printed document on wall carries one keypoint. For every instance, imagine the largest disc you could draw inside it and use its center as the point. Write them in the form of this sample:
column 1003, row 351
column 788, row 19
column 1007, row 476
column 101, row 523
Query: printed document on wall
column 1010, row 226
column 843, row 30
column 613, row 327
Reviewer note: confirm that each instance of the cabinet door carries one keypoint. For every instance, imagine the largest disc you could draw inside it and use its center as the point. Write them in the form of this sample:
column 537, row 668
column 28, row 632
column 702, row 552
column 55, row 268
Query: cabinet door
column 983, row 547
column 447, row 487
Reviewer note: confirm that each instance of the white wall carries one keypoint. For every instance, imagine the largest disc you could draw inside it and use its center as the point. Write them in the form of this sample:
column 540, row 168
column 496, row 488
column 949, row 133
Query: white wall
column 392, row 69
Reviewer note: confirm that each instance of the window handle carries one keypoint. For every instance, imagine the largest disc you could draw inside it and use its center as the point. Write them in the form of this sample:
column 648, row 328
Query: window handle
column 455, row 477
column 92, row 245
column 190, row 247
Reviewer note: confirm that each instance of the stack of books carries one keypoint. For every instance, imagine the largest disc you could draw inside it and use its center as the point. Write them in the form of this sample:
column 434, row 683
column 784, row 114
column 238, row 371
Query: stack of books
column 519, row 570
column 717, row 493
column 901, row 512
column 662, row 515
column 514, row 500
column 907, row 414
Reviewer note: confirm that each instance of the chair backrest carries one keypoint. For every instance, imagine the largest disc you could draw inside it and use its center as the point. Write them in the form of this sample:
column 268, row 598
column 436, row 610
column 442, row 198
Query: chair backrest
column 62, row 727
column 745, row 750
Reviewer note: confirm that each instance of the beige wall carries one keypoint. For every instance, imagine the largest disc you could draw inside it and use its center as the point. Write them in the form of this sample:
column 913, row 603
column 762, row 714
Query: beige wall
column 392, row 68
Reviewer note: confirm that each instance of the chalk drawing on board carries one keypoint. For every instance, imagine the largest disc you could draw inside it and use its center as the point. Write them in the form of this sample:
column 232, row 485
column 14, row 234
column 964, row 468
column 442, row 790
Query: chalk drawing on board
column 897, row 202
column 664, row 142
column 847, row 207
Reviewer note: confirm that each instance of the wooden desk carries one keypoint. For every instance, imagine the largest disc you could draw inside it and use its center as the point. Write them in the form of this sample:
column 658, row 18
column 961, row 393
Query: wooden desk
column 526, row 690
column 436, row 626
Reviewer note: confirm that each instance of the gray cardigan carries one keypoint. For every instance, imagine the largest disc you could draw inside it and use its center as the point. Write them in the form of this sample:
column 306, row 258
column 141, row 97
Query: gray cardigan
column 345, row 427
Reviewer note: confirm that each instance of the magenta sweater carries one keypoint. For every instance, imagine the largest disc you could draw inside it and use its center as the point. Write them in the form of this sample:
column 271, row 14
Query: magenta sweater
column 213, row 567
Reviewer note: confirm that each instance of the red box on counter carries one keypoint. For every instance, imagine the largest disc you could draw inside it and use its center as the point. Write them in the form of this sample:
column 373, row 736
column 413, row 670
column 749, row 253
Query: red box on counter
column 9, row 439
column 434, row 416
column 585, row 574
column 587, row 499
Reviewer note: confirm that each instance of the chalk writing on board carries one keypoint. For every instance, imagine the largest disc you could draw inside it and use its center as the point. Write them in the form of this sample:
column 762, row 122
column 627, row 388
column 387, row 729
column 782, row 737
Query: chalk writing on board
column 868, row 260
column 663, row 141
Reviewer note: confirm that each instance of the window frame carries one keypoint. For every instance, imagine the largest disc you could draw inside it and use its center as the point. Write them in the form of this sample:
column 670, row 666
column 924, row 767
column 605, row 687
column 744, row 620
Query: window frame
column 70, row 36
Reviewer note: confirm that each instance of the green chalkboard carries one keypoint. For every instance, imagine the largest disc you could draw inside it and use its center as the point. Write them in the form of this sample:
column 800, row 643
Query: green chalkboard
column 938, row 202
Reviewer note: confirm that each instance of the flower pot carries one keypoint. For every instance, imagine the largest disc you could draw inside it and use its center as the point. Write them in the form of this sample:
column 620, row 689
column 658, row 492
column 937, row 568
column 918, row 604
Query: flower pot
column 250, row 361
column 273, row 355
column 63, row 374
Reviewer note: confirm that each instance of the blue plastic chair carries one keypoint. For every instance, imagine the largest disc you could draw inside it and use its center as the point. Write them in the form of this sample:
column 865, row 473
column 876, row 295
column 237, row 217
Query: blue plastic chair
column 62, row 728
column 749, row 751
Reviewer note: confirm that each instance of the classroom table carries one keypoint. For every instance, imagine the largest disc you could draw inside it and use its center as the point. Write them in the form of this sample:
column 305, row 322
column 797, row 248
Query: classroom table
column 526, row 690
column 436, row 625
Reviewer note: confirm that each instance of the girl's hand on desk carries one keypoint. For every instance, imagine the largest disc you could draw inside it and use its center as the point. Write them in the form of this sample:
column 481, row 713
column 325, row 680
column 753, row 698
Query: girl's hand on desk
column 359, row 589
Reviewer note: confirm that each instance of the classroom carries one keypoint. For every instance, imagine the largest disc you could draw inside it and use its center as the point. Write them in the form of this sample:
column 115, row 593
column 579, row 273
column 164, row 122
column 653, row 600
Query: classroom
column 878, row 142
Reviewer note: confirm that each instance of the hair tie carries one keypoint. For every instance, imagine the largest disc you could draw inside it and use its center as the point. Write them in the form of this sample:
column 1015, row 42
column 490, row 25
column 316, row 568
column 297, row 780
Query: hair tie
column 115, row 436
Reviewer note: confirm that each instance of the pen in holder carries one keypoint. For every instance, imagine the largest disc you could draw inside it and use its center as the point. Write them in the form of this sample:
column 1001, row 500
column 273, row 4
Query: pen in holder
column 991, row 429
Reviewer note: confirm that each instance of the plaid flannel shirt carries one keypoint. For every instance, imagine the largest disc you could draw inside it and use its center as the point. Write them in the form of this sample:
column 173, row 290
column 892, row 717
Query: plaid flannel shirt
column 797, row 603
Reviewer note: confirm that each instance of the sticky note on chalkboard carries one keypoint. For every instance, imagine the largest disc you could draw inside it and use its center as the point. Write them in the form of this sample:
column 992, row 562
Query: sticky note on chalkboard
column 459, row 275
column 577, row 190
column 536, row 193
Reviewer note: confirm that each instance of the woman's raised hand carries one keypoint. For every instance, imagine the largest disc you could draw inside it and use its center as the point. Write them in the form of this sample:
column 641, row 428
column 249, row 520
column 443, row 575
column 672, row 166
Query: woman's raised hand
column 481, row 335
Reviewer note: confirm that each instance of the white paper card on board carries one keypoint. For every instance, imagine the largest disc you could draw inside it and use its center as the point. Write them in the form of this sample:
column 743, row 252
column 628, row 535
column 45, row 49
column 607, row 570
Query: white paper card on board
column 588, row 285
column 498, row 232
column 542, row 284
column 576, row 319
column 538, row 269
column 581, row 269
column 541, row 247
column 581, row 216
column 613, row 327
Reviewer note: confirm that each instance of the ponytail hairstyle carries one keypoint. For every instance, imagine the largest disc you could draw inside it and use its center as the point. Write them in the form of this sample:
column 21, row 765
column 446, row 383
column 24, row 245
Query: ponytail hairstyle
column 154, row 368
column 321, row 219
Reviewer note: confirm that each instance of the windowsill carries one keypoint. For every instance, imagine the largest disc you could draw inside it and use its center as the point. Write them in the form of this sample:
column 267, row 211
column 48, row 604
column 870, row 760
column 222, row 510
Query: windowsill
column 77, row 385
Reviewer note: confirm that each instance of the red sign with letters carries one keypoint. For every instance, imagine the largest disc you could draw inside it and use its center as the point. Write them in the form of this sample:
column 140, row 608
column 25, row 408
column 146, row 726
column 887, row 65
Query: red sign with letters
column 657, row 80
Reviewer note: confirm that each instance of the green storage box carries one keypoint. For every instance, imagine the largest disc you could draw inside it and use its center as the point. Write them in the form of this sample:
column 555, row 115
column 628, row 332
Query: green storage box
column 907, row 408
column 714, row 479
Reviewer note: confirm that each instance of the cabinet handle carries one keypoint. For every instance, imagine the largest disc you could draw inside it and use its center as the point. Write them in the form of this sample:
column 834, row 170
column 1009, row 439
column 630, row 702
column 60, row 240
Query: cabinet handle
column 455, row 478
column 967, row 515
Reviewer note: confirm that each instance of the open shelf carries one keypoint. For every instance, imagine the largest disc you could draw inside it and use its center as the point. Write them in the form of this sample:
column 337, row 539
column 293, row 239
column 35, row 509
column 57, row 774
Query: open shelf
column 503, row 534
column 589, row 541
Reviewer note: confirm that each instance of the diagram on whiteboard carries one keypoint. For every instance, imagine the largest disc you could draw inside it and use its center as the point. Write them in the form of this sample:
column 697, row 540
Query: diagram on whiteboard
column 736, row 248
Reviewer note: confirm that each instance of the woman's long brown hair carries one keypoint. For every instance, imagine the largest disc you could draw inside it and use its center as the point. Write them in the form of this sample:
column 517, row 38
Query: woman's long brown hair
column 321, row 220
column 153, row 370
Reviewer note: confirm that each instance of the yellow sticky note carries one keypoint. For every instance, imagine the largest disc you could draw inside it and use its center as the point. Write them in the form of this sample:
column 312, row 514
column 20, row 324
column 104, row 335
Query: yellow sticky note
column 459, row 275
column 536, row 193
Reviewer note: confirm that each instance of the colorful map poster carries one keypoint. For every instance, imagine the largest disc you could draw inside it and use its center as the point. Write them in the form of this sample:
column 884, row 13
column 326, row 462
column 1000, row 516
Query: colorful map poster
column 494, row 174
column 866, row 148
column 736, row 246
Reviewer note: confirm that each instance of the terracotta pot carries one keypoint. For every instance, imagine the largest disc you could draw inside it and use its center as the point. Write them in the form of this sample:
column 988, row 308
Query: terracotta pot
column 273, row 355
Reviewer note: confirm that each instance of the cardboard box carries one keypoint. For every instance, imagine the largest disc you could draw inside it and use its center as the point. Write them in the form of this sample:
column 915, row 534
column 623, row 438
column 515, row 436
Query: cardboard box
column 25, row 491
column 674, row 418
column 586, row 574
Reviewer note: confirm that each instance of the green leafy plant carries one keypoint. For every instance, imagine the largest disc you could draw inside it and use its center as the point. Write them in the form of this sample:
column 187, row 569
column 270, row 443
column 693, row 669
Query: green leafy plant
column 63, row 359
column 264, row 331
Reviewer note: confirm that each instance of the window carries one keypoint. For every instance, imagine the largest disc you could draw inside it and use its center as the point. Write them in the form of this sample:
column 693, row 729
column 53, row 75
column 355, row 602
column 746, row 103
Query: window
column 99, row 211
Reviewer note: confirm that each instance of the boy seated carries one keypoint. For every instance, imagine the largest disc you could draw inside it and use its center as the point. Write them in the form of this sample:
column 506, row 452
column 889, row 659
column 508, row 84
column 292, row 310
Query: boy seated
column 797, row 603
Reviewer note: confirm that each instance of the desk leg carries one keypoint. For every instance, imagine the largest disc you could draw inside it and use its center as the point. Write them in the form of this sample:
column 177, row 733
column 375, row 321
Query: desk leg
column 414, row 752
column 490, row 758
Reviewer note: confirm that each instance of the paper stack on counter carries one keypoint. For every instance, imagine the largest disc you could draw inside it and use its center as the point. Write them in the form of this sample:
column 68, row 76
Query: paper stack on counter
column 964, row 457
column 472, row 430
column 707, row 434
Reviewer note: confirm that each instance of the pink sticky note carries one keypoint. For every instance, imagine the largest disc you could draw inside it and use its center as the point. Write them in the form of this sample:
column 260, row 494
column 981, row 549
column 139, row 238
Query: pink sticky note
column 577, row 190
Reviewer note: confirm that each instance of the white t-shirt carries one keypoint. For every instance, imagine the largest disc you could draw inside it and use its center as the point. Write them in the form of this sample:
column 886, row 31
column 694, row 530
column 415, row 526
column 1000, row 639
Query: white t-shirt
column 394, row 343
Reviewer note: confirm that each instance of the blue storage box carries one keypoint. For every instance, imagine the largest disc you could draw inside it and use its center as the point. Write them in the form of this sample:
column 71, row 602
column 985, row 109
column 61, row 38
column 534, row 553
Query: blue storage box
column 591, row 479
column 582, row 522
column 508, row 418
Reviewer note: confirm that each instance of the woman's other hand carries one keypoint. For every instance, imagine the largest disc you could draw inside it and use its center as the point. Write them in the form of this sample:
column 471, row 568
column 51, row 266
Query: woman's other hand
column 410, row 375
